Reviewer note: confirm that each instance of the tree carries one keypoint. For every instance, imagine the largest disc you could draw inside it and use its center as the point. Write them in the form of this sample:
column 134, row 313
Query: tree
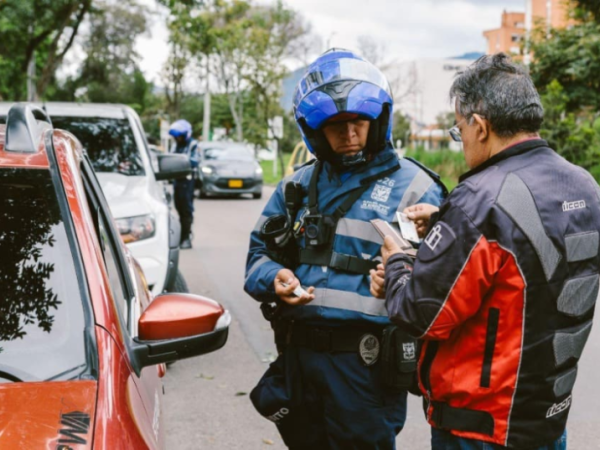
column 574, row 136
column 109, row 71
column 45, row 29
column 401, row 129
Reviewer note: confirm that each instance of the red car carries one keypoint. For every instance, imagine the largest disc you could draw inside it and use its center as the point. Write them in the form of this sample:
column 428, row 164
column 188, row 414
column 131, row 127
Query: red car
column 82, row 343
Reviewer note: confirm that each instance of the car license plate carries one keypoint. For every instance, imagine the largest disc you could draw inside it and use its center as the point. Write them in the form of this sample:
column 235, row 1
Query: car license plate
column 235, row 183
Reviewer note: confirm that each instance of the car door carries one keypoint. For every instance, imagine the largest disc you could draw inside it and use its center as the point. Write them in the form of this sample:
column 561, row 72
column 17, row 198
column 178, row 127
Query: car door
column 130, row 296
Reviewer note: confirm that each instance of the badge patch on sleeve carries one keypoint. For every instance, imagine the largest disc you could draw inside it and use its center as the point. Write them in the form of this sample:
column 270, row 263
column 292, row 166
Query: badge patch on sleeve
column 438, row 241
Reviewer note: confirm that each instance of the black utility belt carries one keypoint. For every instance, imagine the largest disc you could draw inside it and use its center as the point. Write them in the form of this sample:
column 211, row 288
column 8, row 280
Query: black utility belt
column 397, row 351
column 331, row 339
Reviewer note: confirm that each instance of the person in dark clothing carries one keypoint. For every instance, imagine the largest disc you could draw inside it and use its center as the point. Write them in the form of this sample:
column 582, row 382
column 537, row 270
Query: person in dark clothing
column 181, row 131
column 504, row 285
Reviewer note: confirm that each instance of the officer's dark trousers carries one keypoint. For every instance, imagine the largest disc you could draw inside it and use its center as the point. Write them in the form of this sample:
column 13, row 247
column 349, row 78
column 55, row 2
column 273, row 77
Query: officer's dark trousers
column 184, row 204
column 348, row 406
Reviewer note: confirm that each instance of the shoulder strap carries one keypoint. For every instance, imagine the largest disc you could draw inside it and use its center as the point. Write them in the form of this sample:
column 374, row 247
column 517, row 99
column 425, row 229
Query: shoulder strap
column 313, row 195
column 431, row 173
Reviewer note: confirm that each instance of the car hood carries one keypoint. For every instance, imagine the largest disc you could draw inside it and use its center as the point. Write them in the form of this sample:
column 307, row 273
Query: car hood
column 125, row 194
column 47, row 414
column 232, row 168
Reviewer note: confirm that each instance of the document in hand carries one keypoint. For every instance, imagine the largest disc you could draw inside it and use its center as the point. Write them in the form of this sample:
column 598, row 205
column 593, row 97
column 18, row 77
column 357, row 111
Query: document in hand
column 385, row 229
column 407, row 228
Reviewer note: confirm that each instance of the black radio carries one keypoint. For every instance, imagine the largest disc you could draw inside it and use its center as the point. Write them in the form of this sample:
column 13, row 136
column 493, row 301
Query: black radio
column 318, row 229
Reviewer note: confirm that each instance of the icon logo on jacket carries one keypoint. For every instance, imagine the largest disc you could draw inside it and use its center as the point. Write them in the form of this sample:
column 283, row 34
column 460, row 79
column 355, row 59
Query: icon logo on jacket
column 570, row 206
column 368, row 349
column 434, row 237
column 558, row 408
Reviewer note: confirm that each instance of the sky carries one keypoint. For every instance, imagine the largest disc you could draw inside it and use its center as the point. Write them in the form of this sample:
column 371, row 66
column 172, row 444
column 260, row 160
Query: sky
column 406, row 29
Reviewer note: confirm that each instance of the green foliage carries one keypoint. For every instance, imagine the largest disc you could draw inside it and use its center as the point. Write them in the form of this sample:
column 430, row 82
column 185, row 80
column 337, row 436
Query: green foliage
column 572, row 57
column 401, row 129
column 574, row 136
column 44, row 27
column 449, row 165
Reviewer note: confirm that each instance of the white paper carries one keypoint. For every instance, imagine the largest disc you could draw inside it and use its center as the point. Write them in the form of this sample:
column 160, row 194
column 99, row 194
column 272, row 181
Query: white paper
column 407, row 228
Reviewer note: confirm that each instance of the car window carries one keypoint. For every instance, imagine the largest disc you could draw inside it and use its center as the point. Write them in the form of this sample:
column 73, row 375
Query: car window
column 109, row 143
column 114, row 275
column 42, row 319
column 228, row 154
column 110, row 251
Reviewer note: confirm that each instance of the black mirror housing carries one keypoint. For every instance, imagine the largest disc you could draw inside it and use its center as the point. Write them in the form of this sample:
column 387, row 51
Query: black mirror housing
column 173, row 166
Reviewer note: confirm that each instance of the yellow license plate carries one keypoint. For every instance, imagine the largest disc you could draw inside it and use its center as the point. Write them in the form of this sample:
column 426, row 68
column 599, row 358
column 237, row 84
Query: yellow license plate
column 235, row 183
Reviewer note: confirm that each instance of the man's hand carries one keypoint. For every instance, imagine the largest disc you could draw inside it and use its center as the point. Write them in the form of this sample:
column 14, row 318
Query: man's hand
column 287, row 277
column 420, row 214
column 389, row 248
column 378, row 282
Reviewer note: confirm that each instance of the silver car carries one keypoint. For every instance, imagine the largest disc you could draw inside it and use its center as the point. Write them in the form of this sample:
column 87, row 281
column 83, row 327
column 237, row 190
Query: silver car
column 228, row 168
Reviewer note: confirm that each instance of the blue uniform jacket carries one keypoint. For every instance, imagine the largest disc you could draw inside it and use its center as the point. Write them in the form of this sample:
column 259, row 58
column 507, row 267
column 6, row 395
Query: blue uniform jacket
column 190, row 149
column 342, row 296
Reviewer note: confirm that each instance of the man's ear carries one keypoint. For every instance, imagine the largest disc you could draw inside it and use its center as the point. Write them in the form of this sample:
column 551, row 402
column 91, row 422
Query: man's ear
column 483, row 128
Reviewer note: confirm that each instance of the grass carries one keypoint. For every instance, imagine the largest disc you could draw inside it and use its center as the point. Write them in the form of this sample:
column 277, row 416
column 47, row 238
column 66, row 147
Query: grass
column 267, row 167
column 450, row 165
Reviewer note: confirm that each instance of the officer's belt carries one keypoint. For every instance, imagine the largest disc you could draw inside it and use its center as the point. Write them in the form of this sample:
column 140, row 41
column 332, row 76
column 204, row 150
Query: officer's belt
column 462, row 419
column 330, row 339
column 338, row 261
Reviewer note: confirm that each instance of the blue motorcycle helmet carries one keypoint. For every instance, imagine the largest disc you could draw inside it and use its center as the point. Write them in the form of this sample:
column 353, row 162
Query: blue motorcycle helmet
column 341, row 85
column 181, row 128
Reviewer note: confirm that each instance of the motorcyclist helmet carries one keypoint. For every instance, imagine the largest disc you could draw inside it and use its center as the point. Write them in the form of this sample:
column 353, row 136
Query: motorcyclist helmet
column 340, row 85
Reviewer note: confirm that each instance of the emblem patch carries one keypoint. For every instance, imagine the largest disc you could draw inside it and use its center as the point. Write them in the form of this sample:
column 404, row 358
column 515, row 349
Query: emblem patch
column 368, row 349
column 409, row 350
column 438, row 241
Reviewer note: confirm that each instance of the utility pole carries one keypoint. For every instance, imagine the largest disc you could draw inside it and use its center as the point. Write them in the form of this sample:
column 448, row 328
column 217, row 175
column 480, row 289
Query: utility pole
column 206, row 119
column 31, row 85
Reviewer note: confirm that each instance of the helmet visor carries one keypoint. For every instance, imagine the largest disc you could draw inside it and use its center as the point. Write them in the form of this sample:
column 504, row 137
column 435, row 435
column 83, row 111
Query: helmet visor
column 342, row 69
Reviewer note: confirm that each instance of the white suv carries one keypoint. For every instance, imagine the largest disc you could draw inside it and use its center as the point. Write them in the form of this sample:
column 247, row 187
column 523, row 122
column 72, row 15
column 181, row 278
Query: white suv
column 114, row 140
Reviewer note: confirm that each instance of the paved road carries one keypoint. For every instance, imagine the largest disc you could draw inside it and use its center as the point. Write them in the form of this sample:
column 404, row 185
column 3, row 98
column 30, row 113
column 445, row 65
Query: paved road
column 207, row 404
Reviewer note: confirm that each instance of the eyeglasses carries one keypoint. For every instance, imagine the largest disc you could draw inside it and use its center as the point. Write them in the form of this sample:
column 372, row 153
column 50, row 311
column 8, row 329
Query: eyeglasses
column 454, row 132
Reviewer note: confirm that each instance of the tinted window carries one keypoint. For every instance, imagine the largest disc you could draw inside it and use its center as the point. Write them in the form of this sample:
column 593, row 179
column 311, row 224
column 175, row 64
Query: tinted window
column 42, row 320
column 229, row 154
column 109, row 143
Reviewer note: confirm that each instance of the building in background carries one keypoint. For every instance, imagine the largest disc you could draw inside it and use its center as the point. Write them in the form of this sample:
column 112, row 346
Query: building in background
column 508, row 37
column 517, row 26
column 420, row 88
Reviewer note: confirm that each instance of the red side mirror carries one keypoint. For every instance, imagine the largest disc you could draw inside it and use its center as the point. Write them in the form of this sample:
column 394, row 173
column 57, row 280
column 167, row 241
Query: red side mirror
column 171, row 316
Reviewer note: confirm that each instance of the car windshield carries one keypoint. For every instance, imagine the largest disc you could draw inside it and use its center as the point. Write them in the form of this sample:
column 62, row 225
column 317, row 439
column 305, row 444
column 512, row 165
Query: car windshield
column 229, row 153
column 42, row 319
column 110, row 143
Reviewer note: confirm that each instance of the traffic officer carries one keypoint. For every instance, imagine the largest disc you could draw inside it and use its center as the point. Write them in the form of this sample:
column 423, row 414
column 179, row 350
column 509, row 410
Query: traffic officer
column 514, row 253
column 329, row 388
column 181, row 131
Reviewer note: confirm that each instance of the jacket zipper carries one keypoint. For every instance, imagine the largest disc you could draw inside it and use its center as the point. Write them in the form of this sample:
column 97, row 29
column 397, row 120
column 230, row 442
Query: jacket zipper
column 425, row 370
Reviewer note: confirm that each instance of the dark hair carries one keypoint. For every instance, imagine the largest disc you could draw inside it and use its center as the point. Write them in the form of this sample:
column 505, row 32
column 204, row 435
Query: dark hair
column 500, row 91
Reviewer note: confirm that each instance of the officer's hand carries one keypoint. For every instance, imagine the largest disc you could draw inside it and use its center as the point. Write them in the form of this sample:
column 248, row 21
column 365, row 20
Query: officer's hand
column 378, row 282
column 420, row 214
column 285, row 283
column 389, row 248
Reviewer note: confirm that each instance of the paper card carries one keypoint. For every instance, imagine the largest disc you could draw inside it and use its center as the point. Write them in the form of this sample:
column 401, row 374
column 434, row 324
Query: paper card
column 407, row 228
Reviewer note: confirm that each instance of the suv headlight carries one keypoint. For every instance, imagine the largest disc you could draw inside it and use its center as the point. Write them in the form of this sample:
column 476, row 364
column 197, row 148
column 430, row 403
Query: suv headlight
column 133, row 229
column 207, row 170
column 258, row 172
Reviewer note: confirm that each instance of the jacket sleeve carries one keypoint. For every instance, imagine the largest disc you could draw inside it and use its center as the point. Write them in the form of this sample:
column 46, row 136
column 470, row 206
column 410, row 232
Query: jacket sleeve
column 454, row 270
column 194, row 155
column 260, row 267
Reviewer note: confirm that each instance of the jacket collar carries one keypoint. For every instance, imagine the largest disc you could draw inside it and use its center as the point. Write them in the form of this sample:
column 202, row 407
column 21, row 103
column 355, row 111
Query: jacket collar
column 516, row 149
column 383, row 161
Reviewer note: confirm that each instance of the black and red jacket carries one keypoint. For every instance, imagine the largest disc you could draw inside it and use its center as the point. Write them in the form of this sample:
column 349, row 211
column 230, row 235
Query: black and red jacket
column 503, row 293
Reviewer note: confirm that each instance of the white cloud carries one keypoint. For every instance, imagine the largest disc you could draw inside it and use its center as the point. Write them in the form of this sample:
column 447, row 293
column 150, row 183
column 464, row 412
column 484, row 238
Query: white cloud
column 409, row 29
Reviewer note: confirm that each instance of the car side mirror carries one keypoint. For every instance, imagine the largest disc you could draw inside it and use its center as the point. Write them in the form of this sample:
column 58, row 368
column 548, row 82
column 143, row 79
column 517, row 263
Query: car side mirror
column 178, row 326
column 172, row 166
